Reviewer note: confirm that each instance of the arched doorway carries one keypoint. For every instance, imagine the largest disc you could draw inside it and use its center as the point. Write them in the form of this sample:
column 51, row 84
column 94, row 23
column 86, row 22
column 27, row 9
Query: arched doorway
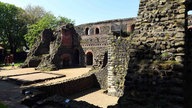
column 66, row 61
column 76, row 57
column 87, row 31
column 89, row 58
column 105, row 59
column 97, row 31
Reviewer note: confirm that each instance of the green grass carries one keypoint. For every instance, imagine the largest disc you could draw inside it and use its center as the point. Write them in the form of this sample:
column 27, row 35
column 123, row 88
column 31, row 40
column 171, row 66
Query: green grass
column 18, row 63
column 2, row 105
column 15, row 64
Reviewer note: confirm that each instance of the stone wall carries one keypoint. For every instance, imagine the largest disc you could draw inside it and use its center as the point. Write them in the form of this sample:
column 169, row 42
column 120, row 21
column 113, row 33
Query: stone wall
column 40, row 48
column 155, row 73
column 96, row 43
column 101, row 76
column 71, row 86
column 117, row 65
column 56, row 49
column 106, row 27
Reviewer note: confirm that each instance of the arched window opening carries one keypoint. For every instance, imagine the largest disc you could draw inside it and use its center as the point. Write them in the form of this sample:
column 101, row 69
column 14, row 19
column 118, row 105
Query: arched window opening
column 89, row 58
column 97, row 31
column 87, row 31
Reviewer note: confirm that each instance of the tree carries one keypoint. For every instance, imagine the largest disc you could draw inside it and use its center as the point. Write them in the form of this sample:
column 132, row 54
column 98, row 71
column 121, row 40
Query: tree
column 48, row 21
column 19, row 27
column 64, row 20
column 12, row 27
column 34, row 13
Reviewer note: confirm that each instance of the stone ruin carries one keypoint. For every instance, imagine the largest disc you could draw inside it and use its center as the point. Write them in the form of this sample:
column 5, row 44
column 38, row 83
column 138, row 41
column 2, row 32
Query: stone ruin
column 90, row 46
column 55, row 50
column 149, row 69
column 159, row 69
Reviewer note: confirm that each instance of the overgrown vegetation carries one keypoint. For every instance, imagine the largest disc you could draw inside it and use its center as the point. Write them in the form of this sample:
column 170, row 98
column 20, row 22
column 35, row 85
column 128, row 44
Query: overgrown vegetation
column 12, row 27
column 48, row 21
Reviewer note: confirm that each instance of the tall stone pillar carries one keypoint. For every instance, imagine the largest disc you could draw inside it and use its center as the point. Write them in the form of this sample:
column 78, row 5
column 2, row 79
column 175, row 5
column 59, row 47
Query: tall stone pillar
column 110, row 80
column 158, row 57
column 117, row 64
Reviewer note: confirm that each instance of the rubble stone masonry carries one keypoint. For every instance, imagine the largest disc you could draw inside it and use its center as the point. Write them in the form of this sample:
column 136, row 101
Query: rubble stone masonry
column 159, row 70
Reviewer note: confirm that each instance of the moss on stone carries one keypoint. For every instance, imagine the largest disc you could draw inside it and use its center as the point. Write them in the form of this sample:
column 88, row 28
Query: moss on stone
column 165, row 65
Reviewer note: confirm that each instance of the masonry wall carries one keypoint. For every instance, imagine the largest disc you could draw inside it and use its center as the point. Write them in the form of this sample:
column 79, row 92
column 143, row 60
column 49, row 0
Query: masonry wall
column 96, row 43
column 117, row 65
column 72, row 86
column 155, row 73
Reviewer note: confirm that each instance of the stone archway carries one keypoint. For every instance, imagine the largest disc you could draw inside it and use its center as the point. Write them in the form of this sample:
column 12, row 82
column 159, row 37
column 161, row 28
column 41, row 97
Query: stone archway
column 89, row 58
column 87, row 31
column 97, row 31
column 65, row 61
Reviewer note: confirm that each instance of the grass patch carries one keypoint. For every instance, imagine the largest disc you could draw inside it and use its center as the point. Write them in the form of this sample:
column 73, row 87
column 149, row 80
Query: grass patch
column 16, row 64
column 2, row 105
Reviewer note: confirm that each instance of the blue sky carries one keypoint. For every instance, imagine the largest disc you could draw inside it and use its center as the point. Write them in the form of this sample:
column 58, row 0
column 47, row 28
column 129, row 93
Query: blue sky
column 85, row 11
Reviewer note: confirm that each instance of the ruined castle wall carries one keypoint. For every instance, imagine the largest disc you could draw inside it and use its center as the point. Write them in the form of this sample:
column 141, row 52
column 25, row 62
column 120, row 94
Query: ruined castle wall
column 41, row 47
column 105, row 26
column 96, row 42
column 117, row 65
column 71, row 86
column 102, row 75
column 154, row 77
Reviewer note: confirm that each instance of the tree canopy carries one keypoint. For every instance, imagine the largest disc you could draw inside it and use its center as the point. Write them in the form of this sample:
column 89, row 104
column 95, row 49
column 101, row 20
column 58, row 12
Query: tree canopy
column 48, row 21
column 34, row 13
column 20, row 27
column 12, row 27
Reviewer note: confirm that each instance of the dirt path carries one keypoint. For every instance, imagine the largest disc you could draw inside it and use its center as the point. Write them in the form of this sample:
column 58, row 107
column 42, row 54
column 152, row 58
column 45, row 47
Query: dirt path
column 96, row 97
column 70, row 73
